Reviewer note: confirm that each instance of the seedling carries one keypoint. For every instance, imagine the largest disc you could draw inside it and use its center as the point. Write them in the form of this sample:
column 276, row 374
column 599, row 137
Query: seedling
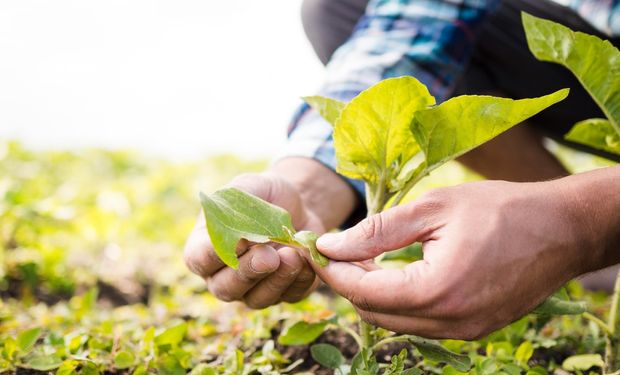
column 596, row 64
column 390, row 136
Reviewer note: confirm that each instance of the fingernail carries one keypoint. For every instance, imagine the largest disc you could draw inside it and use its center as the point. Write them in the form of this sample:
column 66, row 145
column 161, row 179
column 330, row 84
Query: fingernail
column 328, row 240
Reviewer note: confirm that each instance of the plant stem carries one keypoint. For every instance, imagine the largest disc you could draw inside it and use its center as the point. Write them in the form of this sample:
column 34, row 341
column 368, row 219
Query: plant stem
column 389, row 340
column 601, row 324
column 376, row 198
column 352, row 333
column 612, row 350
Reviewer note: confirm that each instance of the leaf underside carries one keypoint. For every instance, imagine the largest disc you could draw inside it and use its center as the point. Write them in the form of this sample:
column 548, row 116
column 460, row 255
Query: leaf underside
column 463, row 123
column 232, row 215
column 328, row 108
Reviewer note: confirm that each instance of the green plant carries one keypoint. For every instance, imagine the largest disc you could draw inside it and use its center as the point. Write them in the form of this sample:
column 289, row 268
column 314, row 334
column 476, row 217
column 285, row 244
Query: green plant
column 596, row 64
column 390, row 136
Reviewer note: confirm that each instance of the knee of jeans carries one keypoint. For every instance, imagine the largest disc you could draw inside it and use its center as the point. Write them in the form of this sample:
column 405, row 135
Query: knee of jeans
column 314, row 15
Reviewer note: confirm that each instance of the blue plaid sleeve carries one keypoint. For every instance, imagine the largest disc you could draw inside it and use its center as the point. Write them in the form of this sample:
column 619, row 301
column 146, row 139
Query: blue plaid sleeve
column 431, row 40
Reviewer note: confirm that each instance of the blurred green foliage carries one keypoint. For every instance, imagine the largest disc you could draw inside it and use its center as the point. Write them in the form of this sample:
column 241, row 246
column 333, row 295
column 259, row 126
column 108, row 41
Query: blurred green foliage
column 92, row 279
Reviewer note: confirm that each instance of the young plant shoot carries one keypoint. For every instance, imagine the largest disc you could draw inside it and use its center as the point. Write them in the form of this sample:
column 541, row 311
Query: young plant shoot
column 390, row 136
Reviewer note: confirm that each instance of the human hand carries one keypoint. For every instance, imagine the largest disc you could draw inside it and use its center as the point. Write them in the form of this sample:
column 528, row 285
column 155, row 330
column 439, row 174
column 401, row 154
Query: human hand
column 267, row 274
column 493, row 251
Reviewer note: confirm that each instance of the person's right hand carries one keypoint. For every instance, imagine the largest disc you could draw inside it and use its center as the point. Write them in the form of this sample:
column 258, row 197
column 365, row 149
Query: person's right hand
column 267, row 274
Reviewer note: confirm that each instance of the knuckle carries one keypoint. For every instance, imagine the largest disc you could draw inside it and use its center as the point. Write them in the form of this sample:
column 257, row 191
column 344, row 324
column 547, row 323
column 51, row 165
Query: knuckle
column 369, row 317
column 256, row 304
column 193, row 261
column 471, row 331
column 361, row 301
column 371, row 228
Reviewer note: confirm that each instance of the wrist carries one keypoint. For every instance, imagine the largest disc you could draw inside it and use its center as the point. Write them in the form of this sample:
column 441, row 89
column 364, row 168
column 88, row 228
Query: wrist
column 593, row 213
column 322, row 191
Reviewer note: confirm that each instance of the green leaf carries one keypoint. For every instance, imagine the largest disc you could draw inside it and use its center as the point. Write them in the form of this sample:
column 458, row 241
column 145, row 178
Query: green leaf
column 327, row 355
column 67, row 368
column 302, row 333
column 10, row 348
column 124, row 359
column 583, row 362
column 364, row 363
column 595, row 62
column 407, row 254
column 556, row 306
column 397, row 364
column 329, row 108
column 597, row 133
column 172, row 336
column 202, row 369
column 431, row 349
column 460, row 124
column 27, row 339
column 44, row 362
column 169, row 365
column 524, row 352
column 372, row 137
column 232, row 215
column 308, row 240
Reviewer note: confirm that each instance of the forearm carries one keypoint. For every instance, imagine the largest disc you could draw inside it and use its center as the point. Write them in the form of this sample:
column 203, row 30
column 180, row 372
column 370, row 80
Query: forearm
column 595, row 206
column 321, row 189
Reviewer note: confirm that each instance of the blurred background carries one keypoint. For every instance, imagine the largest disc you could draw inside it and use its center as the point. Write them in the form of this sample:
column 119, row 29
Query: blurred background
column 180, row 79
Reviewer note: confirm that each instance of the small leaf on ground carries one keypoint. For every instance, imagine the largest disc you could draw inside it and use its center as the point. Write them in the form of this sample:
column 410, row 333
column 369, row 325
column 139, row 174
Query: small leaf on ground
column 172, row 336
column 431, row 349
column 27, row 339
column 124, row 359
column 583, row 362
column 327, row 355
column 44, row 362
column 302, row 333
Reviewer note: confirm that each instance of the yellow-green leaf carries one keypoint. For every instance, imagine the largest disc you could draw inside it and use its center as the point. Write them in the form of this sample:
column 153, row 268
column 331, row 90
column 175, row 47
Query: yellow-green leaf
column 124, row 359
column 372, row 137
column 460, row 124
column 431, row 349
column 172, row 336
column 328, row 108
column 302, row 333
column 595, row 62
column 597, row 133
column 583, row 362
column 27, row 339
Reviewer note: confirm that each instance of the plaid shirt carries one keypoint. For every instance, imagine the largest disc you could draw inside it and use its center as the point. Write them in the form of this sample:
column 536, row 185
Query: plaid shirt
column 431, row 40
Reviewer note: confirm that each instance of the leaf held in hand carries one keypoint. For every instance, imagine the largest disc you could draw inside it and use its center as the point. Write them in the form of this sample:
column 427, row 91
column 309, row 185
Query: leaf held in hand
column 232, row 215
column 308, row 240
column 557, row 306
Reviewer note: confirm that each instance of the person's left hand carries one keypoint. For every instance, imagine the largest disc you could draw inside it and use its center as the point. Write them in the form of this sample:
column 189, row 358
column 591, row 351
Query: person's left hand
column 492, row 252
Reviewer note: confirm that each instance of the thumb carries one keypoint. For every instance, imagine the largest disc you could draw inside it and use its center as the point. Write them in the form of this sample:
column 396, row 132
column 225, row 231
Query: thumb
column 389, row 230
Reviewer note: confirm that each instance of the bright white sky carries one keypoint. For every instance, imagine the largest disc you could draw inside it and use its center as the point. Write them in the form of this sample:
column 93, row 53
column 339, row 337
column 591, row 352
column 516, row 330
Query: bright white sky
column 180, row 79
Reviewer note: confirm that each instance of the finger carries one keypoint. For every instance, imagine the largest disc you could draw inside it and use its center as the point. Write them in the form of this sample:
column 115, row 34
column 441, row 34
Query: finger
column 386, row 231
column 428, row 328
column 199, row 255
column 230, row 284
column 270, row 290
column 303, row 285
column 408, row 291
